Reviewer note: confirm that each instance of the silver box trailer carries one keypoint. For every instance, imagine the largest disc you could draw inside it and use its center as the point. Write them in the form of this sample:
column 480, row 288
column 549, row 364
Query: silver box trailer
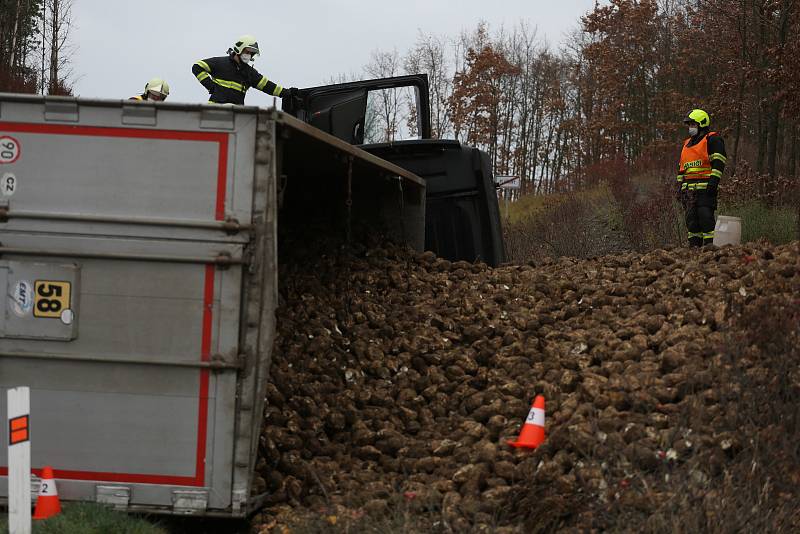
column 138, row 253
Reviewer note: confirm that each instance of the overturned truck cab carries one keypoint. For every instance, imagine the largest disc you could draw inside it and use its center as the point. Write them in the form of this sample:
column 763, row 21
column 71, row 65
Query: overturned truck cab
column 462, row 215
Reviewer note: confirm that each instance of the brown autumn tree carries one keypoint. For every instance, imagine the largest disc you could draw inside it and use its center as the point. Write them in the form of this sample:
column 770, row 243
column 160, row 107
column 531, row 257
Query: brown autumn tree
column 478, row 97
column 619, row 89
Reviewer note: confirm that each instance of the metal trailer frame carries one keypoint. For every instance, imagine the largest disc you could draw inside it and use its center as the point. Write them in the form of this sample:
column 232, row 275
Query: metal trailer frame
column 204, row 285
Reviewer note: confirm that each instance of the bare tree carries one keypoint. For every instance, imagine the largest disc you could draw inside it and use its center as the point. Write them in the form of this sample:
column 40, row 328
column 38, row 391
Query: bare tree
column 56, row 48
column 428, row 57
column 14, row 33
column 343, row 77
column 388, row 101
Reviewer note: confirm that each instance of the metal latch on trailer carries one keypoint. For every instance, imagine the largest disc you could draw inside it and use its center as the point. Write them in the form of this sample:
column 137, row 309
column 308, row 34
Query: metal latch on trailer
column 189, row 501
column 118, row 496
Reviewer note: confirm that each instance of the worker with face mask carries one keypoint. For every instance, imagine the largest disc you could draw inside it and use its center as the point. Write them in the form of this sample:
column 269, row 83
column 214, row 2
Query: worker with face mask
column 227, row 78
column 156, row 90
column 701, row 166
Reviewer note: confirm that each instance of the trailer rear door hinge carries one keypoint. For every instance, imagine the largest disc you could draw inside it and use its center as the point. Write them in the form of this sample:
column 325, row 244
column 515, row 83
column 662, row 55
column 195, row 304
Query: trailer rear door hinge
column 238, row 500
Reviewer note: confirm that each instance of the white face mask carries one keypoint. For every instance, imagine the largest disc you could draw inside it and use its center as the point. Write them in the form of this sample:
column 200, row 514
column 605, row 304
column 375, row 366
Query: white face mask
column 246, row 58
column 692, row 131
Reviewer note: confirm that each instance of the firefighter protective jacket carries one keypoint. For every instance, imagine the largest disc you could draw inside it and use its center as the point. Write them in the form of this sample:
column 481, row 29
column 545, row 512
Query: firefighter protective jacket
column 702, row 162
column 227, row 81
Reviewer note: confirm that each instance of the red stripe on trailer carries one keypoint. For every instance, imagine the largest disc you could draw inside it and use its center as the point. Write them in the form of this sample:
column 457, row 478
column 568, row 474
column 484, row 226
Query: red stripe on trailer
column 208, row 292
column 205, row 355
column 222, row 168
column 107, row 131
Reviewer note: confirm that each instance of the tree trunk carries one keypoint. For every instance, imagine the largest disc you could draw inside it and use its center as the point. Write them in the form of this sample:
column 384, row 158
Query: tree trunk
column 762, row 138
column 740, row 90
column 772, row 138
column 54, row 30
column 775, row 112
column 42, row 85
column 14, row 32
column 794, row 154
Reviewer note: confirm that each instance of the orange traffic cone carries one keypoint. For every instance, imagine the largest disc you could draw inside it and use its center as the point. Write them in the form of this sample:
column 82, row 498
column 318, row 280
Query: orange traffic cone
column 47, row 503
column 532, row 434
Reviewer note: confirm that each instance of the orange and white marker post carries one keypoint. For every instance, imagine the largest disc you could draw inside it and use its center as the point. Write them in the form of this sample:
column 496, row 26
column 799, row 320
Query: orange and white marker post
column 19, row 461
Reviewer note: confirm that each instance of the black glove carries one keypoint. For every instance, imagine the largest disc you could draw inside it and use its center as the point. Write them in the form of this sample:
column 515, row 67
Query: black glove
column 290, row 92
column 713, row 186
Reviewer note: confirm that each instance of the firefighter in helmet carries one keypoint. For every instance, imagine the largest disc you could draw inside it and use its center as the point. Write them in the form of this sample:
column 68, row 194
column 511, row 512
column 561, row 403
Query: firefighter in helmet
column 227, row 78
column 156, row 90
column 702, row 163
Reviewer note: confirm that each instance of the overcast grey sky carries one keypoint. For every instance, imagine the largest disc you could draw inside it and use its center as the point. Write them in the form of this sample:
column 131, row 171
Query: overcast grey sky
column 120, row 45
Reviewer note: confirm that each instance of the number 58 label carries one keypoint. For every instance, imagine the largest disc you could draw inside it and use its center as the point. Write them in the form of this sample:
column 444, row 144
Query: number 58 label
column 50, row 298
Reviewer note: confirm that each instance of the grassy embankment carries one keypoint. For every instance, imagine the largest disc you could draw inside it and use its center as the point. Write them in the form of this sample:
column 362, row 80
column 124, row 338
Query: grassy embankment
column 610, row 218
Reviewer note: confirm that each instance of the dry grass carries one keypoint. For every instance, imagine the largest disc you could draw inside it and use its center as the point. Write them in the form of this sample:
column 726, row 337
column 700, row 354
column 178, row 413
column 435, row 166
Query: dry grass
column 631, row 214
column 617, row 216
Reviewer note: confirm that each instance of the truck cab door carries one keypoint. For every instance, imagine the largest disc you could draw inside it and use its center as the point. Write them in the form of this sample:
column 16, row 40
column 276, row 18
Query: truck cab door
column 340, row 114
column 341, row 109
column 462, row 220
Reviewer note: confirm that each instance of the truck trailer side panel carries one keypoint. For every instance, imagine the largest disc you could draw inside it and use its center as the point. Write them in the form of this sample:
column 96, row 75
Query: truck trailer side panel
column 138, row 253
column 126, row 397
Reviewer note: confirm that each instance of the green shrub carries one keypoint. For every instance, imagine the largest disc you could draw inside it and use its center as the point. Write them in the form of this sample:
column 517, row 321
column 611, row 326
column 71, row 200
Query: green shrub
column 778, row 225
column 521, row 208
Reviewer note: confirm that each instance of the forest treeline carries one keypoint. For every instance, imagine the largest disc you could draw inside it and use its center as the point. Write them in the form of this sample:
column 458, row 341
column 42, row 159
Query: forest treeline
column 618, row 89
column 35, row 46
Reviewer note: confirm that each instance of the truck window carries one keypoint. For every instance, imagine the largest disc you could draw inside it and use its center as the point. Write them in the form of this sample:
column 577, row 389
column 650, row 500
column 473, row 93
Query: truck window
column 392, row 115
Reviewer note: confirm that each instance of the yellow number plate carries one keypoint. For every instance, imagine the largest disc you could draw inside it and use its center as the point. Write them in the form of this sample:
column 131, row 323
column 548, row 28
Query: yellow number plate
column 50, row 298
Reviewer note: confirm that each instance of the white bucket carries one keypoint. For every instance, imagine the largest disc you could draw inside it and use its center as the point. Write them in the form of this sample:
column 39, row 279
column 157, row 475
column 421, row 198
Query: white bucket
column 728, row 231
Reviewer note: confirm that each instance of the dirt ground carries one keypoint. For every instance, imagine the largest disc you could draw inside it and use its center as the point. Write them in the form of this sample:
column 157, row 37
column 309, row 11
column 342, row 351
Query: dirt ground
column 672, row 382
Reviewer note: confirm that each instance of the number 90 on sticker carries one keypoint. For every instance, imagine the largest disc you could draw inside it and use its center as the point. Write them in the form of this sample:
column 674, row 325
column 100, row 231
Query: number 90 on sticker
column 50, row 298
column 9, row 149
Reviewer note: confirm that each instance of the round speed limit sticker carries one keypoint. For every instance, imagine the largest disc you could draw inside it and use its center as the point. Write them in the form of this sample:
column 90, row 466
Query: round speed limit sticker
column 9, row 149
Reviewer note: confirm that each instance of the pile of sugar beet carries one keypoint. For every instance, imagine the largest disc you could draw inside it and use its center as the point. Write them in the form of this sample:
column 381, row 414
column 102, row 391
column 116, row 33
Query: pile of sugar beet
column 671, row 379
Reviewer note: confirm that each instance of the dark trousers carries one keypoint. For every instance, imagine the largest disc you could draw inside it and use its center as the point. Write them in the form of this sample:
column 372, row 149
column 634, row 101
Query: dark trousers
column 699, row 207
